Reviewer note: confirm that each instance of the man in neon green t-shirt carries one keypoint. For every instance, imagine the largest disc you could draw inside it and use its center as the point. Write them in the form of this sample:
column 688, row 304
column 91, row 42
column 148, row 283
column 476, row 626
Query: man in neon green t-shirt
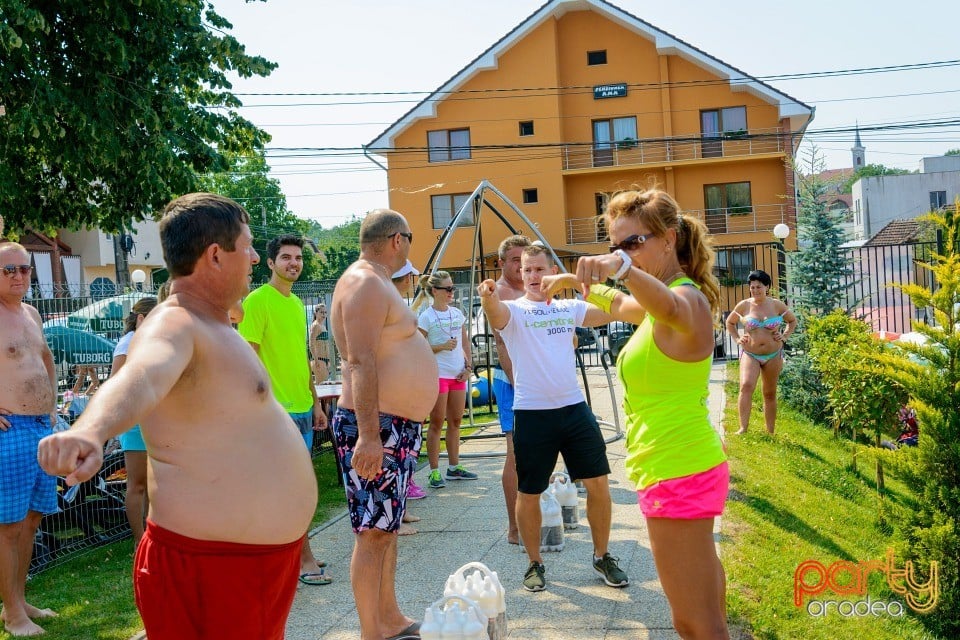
column 275, row 324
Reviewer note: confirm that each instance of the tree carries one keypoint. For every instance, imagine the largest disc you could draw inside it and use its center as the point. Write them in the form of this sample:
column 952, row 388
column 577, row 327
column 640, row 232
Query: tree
column 869, row 170
column 930, row 373
column 819, row 269
column 114, row 107
column 248, row 183
column 340, row 246
column 953, row 152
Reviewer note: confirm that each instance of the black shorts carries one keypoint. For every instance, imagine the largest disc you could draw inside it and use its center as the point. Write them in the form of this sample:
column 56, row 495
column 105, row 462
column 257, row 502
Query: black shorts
column 539, row 435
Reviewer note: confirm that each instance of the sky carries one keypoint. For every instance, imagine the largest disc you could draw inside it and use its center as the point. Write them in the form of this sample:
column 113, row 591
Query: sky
column 327, row 46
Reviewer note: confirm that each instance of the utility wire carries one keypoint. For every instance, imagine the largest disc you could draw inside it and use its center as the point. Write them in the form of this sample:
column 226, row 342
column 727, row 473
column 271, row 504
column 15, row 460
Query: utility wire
column 653, row 85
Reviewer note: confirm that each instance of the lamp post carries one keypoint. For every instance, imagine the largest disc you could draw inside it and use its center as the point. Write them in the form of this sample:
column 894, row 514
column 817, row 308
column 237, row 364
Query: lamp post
column 781, row 232
column 138, row 277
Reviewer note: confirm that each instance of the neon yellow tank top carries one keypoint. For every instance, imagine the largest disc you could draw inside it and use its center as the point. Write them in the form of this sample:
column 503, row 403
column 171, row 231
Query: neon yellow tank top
column 669, row 434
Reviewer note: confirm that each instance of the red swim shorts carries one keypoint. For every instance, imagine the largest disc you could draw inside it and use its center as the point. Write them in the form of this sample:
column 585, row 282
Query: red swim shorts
column 190, row 589
column 701, row 495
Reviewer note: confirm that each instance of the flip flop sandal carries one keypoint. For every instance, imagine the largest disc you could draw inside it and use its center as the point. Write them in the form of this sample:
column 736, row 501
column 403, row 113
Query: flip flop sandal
column 410, row 633
column 315, row 578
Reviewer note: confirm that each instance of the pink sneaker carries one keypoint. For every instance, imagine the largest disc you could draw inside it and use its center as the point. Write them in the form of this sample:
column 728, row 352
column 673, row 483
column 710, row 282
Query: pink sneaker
column 414, row 492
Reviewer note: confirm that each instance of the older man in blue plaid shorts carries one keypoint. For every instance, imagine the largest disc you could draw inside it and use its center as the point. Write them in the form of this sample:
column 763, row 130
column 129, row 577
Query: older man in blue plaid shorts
column 28, row 391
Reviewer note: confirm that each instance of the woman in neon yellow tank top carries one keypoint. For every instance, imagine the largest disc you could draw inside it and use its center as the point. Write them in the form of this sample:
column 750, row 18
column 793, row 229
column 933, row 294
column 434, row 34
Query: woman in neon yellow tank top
column 674, row 455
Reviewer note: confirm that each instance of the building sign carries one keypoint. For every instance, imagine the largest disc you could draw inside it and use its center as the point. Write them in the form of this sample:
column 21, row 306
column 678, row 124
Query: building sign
column 618, row 90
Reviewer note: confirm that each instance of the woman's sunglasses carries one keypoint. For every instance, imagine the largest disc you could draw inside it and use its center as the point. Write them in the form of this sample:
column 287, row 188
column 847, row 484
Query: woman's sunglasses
column 632, row 243
column 447, row 289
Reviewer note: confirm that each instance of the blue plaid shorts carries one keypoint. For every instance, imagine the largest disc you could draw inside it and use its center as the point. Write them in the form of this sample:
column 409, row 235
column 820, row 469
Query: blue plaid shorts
column 24, row 486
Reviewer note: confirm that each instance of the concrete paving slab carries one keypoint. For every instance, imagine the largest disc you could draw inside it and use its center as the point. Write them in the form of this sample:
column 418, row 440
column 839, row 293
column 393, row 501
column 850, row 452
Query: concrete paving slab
column 466, row 521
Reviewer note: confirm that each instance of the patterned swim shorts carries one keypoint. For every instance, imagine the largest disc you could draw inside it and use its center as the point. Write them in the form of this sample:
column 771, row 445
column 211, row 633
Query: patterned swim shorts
column 379, row 503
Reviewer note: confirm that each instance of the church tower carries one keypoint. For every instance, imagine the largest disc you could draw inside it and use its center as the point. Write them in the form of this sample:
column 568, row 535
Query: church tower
column 859, row 152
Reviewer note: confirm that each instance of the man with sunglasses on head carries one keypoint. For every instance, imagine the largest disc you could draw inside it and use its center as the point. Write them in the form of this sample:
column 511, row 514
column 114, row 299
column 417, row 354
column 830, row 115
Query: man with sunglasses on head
column 28, row 394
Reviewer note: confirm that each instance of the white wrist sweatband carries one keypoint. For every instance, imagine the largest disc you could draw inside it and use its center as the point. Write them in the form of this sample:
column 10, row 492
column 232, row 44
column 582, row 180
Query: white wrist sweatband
column 624, row 266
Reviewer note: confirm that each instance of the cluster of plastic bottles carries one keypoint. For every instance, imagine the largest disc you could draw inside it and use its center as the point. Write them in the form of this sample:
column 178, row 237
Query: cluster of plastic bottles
column 453, row 618
column 474, row 607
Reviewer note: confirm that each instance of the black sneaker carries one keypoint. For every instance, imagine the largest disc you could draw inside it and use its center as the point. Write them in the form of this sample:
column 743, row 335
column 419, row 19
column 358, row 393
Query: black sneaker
column 533, row 578
column 612, row 574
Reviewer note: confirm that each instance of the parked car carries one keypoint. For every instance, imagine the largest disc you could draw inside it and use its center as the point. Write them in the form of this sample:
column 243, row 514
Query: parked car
column 586, row 337
column 617, row 335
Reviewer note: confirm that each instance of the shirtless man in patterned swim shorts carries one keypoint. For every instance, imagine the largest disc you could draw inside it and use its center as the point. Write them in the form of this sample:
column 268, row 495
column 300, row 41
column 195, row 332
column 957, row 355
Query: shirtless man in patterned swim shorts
column 389, row 387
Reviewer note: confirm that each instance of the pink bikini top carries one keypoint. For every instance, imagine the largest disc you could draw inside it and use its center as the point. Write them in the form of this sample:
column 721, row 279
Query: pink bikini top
column 772, row 323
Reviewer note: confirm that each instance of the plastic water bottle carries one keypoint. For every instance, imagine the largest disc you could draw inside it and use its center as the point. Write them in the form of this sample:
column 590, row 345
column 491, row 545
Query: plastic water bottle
column 497, row 620
column 551, row 527
column 472, row 628
column 451, row 629
column 566, row 494
column 430, row 629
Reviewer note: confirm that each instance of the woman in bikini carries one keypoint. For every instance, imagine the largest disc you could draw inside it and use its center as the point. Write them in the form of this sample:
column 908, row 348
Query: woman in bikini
column 767, row 323
column 320, row 344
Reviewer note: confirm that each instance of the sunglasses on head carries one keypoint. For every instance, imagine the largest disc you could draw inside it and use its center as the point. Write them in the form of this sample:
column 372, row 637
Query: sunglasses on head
column 631, row 243
column 447, row 289
column 10, row 269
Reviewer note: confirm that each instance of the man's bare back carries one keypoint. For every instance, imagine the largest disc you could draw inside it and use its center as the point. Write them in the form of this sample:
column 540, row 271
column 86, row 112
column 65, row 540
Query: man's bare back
column 405, row 366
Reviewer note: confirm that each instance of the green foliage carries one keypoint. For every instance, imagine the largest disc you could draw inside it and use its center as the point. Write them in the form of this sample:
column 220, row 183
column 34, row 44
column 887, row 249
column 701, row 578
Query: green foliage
column 931, row 375
column 341, row 248
column 801, row 386
column 793, row 499
column 953, row 152
column 248, row 182
column 870, row 170
column 859, row 397
column 113, row 107
column 819, row 268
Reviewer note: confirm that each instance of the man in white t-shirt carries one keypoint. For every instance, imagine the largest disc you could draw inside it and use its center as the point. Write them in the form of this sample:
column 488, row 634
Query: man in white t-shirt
column 551, row 417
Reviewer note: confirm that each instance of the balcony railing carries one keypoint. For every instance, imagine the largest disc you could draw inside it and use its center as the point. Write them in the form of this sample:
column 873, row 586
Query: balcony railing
column 669, row 150
column 758, row 217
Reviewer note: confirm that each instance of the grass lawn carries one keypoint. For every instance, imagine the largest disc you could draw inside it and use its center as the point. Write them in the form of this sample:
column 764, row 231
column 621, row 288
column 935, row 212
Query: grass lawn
column 794, row 498
column 93, row 593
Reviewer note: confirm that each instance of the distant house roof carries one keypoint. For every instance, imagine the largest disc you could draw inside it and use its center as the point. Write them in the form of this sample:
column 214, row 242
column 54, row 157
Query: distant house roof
column 835, row 175
column 896, row 232
column 666, row 44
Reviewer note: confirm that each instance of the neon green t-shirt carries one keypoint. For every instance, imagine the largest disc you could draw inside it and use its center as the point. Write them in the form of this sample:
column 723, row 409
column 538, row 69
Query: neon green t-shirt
column 278, row 323
column 669, row 434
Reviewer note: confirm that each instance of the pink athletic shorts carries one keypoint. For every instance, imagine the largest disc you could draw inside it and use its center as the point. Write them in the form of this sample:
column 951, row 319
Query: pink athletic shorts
column 701, row 495
column 450, row 384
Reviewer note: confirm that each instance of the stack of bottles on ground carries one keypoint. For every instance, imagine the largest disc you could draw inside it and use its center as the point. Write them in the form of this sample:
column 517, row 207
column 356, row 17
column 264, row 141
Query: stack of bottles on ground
column 473, row 607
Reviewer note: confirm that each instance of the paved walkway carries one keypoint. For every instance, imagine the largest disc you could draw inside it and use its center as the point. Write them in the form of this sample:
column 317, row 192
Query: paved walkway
column 466, row 522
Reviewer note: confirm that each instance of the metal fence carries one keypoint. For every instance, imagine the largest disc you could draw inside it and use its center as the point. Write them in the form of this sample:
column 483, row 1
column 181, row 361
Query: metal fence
column 92, row 513
column 873, row 294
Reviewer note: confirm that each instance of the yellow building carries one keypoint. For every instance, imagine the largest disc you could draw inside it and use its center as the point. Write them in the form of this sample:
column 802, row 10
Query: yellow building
column 583, row 99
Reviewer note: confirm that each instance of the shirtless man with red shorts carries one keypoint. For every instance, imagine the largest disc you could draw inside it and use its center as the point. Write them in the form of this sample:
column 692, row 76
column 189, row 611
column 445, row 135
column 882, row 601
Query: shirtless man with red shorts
column 231, row 485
